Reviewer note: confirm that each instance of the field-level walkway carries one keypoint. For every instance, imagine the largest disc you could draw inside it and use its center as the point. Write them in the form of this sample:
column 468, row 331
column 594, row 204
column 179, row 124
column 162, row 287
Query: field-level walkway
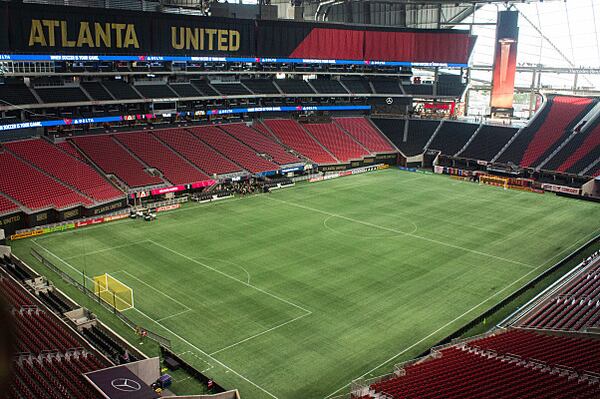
column 294, row 294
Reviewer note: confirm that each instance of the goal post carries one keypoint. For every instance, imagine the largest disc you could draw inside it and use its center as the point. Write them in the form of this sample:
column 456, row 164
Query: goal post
column 113, row 292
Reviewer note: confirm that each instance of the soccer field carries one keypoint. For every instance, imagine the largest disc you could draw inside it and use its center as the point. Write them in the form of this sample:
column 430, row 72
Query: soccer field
column 293, row 294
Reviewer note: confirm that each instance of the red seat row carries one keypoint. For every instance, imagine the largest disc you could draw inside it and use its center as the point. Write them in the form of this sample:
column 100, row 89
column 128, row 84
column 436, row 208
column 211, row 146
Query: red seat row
column 260, row 143
column 33, row 188
column 290, row 133
column 197, row 152
column 364, row 132
column 236, row 151
column 113, row 159
column 580, row 354
column 336, row 141
column 65, row 168
column 156, row 155
column 462, row 374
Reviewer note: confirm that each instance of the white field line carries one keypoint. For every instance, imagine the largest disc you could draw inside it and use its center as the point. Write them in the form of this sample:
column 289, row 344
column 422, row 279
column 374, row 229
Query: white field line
column 106, row 249
column 174, row 315
column 155, row 289
column 231, row 277
column 206, row 354
column 259, row 334
column 402, row 232
column 464, row 314
column 60, row 259
column 175, row 334
column 210, row 366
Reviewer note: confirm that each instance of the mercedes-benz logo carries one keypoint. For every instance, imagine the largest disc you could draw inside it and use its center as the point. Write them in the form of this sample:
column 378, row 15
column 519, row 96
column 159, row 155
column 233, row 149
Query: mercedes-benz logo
column 389, row 101
column 126, row 385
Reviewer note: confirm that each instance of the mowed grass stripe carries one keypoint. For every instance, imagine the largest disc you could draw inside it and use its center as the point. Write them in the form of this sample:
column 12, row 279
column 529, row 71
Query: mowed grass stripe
column 428, row 254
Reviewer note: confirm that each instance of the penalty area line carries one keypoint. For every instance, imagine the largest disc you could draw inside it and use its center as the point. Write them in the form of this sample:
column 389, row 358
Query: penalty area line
column 206, row 354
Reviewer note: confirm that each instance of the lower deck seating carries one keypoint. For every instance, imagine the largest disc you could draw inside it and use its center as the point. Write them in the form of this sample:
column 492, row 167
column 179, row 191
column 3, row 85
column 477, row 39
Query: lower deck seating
column 362, row 130
column 54, row 377
column 294, row 136
column 465, row 374
column 336, row 141
column 260, row 143
column 233, row 149
column 197, row 152
column 7, row 206
column 488, row 142
column 33, row 188
column 578, row 153
column 551, row 126
column 575, row 306
column 66, row 168
column 419, row 133
column 156, row 155
column 579, row 354
column 114, row 159
column 70, row 149
column 452, row 137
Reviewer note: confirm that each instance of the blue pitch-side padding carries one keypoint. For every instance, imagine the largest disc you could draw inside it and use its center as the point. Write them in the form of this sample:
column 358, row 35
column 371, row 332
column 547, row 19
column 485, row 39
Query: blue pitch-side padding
column 107, row 119
column 57, row 57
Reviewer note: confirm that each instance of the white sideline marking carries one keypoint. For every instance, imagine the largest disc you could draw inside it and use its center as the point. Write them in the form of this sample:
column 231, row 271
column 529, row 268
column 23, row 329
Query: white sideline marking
column 210, row 366
column 174, row 315
column 205, row 354
column 259, row 334
column 60, row 259
column 187, row 308
column 230, row 277
column 464, row 314
column 106, row 249
column 402, row 232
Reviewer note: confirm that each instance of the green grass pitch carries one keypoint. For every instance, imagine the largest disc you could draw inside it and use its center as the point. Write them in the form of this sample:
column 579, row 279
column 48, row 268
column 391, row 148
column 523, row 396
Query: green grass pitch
column 293, row 294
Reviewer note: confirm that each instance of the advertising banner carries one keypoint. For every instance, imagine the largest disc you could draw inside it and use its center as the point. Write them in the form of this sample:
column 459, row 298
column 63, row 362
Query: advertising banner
column 561, row 189
column 505, row 62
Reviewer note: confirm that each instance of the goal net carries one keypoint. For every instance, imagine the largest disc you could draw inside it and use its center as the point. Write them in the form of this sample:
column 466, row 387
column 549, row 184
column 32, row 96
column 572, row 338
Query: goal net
column 113, row 292
column 495, row 181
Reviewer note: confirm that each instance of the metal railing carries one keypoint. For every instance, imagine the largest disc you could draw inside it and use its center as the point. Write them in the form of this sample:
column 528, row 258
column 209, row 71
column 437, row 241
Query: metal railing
column 83, row 288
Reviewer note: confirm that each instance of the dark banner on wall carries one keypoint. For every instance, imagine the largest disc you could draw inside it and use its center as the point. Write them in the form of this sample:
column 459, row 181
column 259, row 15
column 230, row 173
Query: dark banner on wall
column 330, row 41
column 3, row 26
column 309, row 40
column 424, row 46
column 505, row 63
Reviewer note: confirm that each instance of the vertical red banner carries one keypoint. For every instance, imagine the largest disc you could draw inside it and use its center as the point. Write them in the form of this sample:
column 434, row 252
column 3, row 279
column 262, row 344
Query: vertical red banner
column 505, row 63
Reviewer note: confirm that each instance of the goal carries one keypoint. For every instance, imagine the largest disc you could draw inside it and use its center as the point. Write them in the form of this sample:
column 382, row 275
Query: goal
column 113, row 292
column 495, row 181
